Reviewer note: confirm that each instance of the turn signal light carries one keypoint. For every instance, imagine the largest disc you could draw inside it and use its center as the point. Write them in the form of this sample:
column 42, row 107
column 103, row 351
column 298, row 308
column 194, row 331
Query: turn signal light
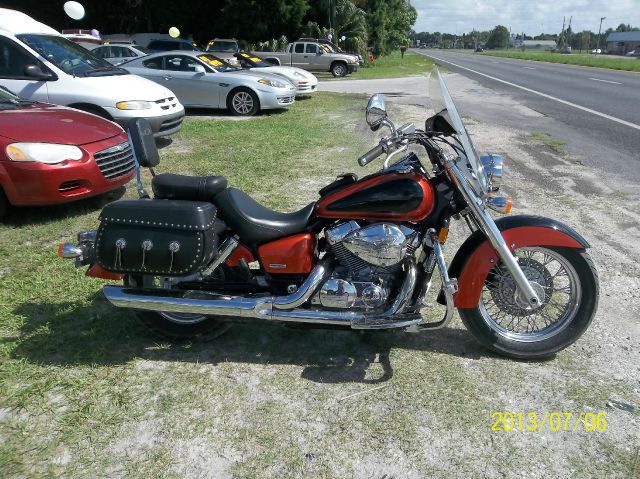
column 500, row 203
column 442, row 235
column 69, row 251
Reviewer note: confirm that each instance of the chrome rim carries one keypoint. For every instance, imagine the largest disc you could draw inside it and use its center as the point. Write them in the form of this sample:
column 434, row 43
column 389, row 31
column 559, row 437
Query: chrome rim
column 242, row 102
column 339, row 70
column 555, row 281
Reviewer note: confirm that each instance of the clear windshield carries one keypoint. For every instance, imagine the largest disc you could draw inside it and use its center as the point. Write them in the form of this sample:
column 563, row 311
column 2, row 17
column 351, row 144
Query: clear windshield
column 468, row 162
column 70, row 57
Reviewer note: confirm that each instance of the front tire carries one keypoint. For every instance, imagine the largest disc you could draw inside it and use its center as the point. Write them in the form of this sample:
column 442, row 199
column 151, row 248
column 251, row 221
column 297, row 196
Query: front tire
column 243, row 102
column 566, row 281
column 175, row 325
column 339, row 69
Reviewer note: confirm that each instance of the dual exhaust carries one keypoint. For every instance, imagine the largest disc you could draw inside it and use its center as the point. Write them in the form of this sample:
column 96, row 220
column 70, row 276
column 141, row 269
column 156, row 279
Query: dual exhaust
column 277, row 308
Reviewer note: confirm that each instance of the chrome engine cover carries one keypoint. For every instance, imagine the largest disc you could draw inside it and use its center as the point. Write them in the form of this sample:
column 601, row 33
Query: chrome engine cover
column 380, row 244
column 338, row 293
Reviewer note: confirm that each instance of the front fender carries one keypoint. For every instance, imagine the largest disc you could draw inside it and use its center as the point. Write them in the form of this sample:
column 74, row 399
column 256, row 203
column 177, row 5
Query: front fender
column 476, row 257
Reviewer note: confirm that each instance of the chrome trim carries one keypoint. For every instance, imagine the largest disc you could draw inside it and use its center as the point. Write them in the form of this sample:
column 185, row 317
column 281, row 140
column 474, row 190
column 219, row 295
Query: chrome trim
column 498, row 203
column 319, row 274
column 261, row 307
column 228, row 247
column 492, row 166
column 491, row 231
column 381, row 244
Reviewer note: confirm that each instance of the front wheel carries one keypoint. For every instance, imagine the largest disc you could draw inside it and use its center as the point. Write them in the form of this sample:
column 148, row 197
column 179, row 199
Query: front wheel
column 566, row 283
column 339, row 69
column 243, row 102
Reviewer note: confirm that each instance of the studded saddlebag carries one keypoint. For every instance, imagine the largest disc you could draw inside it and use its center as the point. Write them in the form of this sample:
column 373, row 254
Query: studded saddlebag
column 159, row 237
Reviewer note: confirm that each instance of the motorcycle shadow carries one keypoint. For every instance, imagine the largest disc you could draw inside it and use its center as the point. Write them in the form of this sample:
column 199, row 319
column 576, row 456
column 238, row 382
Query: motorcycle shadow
column 95, row 333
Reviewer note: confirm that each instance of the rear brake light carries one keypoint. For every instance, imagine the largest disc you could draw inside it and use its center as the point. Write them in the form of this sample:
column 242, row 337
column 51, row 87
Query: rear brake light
column 96, row 271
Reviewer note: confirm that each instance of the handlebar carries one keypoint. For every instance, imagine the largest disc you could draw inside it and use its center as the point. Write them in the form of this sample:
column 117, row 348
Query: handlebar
column 371, row 155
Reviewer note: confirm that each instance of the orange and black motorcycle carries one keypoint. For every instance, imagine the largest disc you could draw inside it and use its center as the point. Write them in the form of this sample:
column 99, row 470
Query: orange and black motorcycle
column 362, row 256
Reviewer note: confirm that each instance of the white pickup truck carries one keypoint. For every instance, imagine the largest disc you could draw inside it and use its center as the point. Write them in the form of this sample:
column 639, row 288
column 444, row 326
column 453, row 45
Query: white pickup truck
column 313, row 56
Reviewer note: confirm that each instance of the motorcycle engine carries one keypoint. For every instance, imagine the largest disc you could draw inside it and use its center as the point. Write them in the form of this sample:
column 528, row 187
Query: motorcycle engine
column 369, row 263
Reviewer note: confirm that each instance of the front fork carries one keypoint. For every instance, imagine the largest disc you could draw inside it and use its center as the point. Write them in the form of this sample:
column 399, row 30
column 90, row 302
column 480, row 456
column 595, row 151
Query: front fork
column 491, row 231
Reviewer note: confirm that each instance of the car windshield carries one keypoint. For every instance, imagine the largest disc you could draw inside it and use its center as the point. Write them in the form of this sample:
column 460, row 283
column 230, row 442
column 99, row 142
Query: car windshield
column 221, row 46
column 218, row 64
column 252, row 60
column 471, row 166
column 70, row 57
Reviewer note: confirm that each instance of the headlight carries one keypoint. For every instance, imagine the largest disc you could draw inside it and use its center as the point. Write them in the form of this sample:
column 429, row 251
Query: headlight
column 492, row 166
column 354, row 60
column 134, row 105
column 49, row 153
column 298, row 75
column 272, row 83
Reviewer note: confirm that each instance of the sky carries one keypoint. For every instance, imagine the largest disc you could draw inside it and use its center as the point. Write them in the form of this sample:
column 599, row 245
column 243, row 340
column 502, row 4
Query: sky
column 531, row 16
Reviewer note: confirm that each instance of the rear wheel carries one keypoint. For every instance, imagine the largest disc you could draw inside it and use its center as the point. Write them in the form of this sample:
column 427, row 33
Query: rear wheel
column 175, row 325
column 243, row 102
column 566, row 282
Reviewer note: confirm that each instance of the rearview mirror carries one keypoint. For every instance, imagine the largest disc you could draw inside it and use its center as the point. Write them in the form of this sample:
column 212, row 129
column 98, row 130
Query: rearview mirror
column 376, row 112
column 200, row 69
column 34, row 71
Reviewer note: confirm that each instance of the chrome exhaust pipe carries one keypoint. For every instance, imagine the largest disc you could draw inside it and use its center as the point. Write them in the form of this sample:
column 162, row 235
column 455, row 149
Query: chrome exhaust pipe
column 278, row 308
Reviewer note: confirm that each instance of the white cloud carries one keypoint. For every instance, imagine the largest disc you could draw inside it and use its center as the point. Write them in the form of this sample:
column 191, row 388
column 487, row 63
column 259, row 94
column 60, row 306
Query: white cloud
column 531, row 16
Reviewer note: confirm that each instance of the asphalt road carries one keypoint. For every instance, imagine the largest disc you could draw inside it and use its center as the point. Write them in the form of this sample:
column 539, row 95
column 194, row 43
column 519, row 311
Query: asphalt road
column 596, row 110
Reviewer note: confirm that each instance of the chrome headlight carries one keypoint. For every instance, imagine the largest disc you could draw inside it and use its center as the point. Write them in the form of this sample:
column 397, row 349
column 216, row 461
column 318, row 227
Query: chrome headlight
column 272, row 83
column 48, row 153
column 134, row 105
column 492, row 166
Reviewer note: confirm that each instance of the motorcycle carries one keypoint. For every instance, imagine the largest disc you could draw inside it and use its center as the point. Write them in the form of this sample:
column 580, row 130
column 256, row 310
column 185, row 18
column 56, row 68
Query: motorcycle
column 362, row 256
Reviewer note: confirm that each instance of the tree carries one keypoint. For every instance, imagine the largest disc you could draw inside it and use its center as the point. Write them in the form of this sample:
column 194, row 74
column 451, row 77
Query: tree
column 499, row 37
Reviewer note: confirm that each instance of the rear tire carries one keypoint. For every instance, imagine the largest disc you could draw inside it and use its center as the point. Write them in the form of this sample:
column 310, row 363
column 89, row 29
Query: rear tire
column 176, row 325
column 243, row 102
column 497, row 321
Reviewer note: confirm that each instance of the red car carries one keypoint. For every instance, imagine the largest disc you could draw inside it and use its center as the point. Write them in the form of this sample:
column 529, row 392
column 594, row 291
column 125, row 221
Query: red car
column 52, row 154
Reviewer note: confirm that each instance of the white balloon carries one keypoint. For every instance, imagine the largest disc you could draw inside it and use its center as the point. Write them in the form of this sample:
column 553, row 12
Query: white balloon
column 174, row 32
column 74, row 10
column 343, row 38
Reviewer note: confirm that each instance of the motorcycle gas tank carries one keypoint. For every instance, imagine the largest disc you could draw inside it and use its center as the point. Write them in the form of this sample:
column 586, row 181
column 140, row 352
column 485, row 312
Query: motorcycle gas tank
column 387, row 195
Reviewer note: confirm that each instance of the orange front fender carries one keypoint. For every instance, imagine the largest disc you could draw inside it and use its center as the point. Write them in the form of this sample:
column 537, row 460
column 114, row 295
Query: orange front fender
column 477, row 257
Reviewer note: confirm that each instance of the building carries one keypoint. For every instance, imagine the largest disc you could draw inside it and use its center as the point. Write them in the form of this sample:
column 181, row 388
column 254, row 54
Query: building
column 619, row 43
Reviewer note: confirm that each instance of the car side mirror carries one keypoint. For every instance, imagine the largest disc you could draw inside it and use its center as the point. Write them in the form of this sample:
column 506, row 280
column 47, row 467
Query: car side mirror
column 376, row 112
column 34, row 71
column 143, row 142
column 200, row 69
column 320, row 52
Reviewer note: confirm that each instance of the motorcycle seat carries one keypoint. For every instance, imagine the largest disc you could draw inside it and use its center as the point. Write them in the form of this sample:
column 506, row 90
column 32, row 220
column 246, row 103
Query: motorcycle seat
column 194, row 188
column 254, row 223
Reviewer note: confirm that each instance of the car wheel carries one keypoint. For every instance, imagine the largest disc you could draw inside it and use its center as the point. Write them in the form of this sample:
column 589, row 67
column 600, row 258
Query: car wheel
column 243, row 102
column 339, row 69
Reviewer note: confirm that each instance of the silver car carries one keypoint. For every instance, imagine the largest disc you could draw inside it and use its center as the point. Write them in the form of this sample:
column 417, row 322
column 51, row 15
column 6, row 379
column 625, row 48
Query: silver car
column 119, row 53
column 200, row 80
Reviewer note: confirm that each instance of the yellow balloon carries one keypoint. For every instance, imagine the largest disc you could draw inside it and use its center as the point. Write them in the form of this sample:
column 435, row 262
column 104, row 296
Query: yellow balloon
column 174, row 32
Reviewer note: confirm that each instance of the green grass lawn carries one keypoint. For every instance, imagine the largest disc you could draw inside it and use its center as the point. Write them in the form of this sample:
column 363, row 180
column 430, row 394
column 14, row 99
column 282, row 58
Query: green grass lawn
column 583, row 59
column 388, row 66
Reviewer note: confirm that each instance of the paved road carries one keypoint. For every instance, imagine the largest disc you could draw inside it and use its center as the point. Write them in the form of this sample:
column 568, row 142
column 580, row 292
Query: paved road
column 597, row 110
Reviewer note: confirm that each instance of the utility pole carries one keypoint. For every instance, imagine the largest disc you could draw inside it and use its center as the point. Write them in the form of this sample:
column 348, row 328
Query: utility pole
column 599, row 34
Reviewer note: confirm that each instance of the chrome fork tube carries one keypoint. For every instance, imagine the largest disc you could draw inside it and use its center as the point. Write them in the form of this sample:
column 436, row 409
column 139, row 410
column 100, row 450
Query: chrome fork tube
column 488, row 226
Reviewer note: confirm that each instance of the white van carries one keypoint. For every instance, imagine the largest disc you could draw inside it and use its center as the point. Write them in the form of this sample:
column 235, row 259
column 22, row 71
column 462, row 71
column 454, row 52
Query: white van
column 38, row 63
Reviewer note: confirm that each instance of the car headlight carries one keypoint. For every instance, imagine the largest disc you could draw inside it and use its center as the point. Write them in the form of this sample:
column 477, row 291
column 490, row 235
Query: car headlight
column 272, row 83
column 48, row 153
column 299, row 75
column 134, row 105
column 353, row 60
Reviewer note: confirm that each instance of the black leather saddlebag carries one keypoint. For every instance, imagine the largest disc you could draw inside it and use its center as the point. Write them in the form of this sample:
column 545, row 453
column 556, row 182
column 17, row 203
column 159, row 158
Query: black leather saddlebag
column 160, row 237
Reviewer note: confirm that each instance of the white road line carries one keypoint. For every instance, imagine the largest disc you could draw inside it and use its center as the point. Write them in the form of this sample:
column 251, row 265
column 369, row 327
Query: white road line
column 606, row 81
column 529, row 68
column 550, row 97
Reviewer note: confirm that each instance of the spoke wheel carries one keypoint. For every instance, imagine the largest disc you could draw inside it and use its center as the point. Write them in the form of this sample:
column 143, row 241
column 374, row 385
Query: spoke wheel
column 566, row 282
column 555, row 281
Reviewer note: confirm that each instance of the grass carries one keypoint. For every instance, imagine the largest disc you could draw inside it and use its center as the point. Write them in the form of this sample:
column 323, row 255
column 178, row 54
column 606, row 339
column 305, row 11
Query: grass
column 388, row 66
column 583, row 59
column 557, row 146
column 86, row 391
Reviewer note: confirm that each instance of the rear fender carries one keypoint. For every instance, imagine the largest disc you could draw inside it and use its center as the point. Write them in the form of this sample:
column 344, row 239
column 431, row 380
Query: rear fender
column 476, row 257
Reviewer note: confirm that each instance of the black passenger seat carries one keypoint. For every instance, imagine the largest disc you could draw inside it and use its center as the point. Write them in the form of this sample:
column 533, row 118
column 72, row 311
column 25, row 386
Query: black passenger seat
column 193, row 188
